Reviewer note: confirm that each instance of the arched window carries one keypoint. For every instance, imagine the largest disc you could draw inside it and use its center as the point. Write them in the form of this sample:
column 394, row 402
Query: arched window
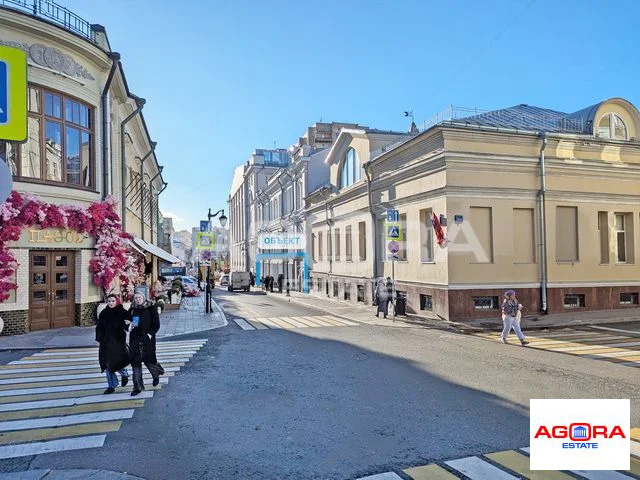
column 350, row 171
column 612, row 126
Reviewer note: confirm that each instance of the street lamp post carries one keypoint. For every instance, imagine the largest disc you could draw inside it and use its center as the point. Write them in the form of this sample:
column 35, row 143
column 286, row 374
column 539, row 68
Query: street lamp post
column 207, row 295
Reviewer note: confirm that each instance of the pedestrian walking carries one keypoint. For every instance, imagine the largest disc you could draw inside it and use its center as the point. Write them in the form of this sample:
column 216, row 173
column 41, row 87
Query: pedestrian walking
column 382, row 299
column 252, row 279
column 280, row 282
column 511, row 314
column 145, row 323
column 111, row 333
column 271, row 283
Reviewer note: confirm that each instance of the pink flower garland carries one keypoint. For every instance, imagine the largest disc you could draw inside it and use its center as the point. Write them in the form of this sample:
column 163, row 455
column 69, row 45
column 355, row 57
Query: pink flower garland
column 113, row 258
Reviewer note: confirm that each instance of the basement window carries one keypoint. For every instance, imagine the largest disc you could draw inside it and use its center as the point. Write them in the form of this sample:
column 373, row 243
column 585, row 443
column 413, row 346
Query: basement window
column 361, row 293
column 485, row 303
column 628, row 299
column 426, row 302
column 572, row 300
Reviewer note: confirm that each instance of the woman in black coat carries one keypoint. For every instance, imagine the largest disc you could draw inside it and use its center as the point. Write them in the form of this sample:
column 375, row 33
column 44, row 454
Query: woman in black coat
column 111, row 333
column 145, row 323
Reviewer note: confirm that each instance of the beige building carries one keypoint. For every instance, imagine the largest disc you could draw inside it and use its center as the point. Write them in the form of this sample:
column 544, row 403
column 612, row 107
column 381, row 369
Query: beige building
column 82, row 117
column 533, row 199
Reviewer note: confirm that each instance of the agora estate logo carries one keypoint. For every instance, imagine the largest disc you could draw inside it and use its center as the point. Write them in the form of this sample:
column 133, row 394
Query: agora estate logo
column 580, row 435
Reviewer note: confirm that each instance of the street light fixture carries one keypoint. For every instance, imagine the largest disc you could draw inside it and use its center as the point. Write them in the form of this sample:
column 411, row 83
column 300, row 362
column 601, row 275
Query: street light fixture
column 223, row 222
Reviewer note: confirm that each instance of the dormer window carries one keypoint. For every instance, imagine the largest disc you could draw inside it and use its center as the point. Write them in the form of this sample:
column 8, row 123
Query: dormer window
column 612, row 126
column 350, row 171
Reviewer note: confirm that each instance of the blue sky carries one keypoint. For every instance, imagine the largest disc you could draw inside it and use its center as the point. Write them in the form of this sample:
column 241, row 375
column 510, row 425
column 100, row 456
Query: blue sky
column 224, row 78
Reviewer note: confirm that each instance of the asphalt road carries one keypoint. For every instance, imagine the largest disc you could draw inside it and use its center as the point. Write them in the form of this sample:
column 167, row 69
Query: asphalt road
column 258, row 304
column 338, row 402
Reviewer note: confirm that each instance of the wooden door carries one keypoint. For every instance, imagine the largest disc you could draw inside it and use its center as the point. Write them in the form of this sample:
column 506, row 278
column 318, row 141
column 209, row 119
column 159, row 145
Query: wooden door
column 51, row 289
column 62, row 289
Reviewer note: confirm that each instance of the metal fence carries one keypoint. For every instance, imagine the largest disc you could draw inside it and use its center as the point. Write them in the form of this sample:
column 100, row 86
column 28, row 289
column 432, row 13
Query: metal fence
column 53, row 12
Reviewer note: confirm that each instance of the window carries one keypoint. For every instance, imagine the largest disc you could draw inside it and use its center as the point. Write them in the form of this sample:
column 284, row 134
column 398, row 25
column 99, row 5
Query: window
column 485, row 303
column 572, row 300
column 426, row 302
column 628, row 299
column 402, row 254
column 347, row 291
column 567, row 234
column 524, row 250
column 335, row 289
column 337, row 244
column 612, row 126
column 481, row 223
column 361, row 293
column 603, row 232
column 329, row 246
column 320, row 246
column 350, row 170
column 313, row 248
column 61, row 134
column 348, row 247
column 362, row 241
column 426, row 236
column 621, row 237
column 319, row 285
column 9, row 155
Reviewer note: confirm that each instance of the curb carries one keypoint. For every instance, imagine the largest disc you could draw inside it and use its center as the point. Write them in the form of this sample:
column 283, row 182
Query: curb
column 93, row 344
column 75, row 474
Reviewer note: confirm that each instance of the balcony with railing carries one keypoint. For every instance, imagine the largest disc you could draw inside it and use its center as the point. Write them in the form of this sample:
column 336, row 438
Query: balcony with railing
column 53, row 13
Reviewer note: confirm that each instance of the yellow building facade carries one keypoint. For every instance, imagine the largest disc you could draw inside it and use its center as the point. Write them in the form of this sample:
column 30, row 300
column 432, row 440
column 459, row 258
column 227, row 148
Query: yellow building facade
column 566, row 244
column 78, row 99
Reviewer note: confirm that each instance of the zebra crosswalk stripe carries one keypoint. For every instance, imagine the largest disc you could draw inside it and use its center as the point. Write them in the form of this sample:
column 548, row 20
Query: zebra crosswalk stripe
column 504, row 465
column 291, row 322
column 476, row 469
column 53, row 400
column 36, row 448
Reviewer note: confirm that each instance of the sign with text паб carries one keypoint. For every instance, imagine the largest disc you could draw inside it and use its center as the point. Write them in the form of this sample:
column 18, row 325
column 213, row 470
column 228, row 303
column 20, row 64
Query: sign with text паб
column 282, row 241
column 13, row 94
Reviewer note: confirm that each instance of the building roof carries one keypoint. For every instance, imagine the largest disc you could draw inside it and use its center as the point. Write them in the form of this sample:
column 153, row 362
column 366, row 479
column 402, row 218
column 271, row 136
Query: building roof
column 527, row 117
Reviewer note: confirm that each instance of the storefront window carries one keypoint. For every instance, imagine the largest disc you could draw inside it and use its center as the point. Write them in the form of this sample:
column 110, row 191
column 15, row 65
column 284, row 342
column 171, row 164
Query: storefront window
column 61, row 132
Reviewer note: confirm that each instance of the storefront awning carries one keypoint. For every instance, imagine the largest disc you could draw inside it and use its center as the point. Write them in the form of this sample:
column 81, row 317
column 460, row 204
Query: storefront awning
column 135, row 247
column 155, row 250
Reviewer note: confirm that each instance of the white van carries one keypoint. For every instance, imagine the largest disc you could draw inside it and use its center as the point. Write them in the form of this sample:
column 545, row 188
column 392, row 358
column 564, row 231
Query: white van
column 239, row 281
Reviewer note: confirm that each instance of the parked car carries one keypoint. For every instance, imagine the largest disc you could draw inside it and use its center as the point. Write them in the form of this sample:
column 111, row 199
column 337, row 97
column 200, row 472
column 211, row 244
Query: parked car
column 239, row 281
column 224, row 280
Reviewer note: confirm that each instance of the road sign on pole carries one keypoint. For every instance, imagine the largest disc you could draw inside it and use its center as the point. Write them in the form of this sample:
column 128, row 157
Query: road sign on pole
column 393, row 216
column 13, row 94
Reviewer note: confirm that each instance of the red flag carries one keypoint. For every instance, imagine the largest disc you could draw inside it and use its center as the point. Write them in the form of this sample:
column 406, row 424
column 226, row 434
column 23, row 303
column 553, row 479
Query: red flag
column 437, row 228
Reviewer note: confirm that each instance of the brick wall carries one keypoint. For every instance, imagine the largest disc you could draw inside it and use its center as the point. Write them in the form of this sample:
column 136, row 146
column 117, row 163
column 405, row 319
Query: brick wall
column 16, row 322
column 85, row 314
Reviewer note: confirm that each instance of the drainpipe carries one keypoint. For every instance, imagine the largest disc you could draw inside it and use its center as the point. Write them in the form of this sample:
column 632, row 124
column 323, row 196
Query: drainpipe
column 105, row 101
column 373, row 221
column 543, row 226
column 123, row 168
column 153, row 147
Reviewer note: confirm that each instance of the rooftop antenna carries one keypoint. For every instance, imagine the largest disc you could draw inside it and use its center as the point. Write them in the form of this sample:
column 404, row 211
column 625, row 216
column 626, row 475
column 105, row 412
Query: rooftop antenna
column 274, row 144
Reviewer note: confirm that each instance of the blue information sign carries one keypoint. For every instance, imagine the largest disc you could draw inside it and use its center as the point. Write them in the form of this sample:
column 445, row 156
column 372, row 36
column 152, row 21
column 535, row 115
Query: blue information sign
column 4, row 93
column 204, row 225
column 393, row 216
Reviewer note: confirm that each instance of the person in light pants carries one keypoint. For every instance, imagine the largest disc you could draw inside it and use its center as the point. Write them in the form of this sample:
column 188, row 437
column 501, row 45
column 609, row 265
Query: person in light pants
column 511, row 313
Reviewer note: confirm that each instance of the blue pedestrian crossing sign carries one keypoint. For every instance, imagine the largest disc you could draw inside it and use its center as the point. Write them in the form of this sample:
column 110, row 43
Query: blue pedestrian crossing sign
column 13, row 94
column 394, row 231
